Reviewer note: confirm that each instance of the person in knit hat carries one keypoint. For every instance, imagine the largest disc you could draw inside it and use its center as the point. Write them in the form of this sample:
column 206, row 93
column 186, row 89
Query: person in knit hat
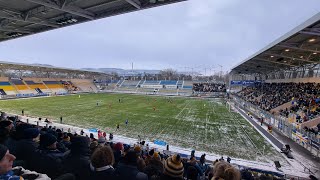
column 154, row 169
column 137, row 149
column 173, row 168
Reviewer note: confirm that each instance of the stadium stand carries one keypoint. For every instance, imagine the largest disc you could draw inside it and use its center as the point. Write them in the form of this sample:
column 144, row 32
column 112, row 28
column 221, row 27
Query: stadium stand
column 187, row 85
column 168, row 82
column 129, row 84
column 85, row 85
column 51, row 152
column 209, row 87
column 21, row 87
column 300, row 99
column 180, row 84
column 149, row 82
column 7, row 88
column 55, row 153
column 37, row 84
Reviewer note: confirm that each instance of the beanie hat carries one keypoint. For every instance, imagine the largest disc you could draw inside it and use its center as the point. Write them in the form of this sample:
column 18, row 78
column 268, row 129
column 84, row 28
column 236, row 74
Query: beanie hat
column 156, row 156
column 101, row 140
column 126, row 147
column 79, row 144
column 173, row 166
column 131, row 157
column 151, row 152
column 3, row 151
column 118, row 146
column 137, row 149
column 31, row 133
column 47, row 139
column 4, row 124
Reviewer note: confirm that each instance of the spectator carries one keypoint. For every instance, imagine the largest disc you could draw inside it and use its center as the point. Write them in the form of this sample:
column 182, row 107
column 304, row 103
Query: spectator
column 17, row 173
column 77, row 162
column 101, row 164
column 155, row 167
column 128, row 169
column 173, row 168
column 223, row 170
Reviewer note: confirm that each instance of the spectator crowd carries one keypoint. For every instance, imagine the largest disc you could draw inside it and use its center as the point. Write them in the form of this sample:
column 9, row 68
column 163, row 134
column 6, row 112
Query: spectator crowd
column 303, row 98
column 32, row 152
column 208, row 87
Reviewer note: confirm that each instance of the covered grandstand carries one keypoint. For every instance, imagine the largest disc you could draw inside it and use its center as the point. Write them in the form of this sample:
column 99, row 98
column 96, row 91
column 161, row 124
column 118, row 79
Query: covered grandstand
column 72, row 154
column 280, row 85
column 20, row 18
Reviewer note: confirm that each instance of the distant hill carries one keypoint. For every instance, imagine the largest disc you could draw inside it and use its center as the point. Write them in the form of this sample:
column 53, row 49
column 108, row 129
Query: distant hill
column 124, row 71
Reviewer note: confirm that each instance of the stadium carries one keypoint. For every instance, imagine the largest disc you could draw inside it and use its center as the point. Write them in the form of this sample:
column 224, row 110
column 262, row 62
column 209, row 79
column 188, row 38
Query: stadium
column 262, row 122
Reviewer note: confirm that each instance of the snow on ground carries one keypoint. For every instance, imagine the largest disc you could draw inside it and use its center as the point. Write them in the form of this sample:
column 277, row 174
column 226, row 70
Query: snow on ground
column 294, row 168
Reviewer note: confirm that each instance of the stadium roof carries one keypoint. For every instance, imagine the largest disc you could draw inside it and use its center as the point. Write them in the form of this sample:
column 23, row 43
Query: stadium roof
column 295, row 49
column 43, row 68
column 25, row 17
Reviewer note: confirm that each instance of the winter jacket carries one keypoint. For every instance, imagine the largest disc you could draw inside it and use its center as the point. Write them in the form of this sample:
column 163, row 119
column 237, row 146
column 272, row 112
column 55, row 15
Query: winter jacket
column 129, row 171
column 103, row 173
column 48, row 162
column 154, row 168
column 19, row 173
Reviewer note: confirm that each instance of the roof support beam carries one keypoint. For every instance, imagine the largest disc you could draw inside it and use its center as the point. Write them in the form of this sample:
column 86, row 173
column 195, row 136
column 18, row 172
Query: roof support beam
column 135, row 3
column 23, row 19
column 65, row 8
column 293, row 58
column 15, row 30
column 269, row 61
column 262, row 65
column 311, row 31
column 297, row 48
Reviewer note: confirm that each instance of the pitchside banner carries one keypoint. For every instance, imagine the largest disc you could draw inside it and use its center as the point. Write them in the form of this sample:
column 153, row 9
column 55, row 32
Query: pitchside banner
column 151, row 86
column 244, row 83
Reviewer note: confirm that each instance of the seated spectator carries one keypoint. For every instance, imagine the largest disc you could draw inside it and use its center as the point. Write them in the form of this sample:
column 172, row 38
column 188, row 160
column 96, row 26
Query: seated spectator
column 155, row 167
column 223, row 170
column 48, row 159
column 17, row 173
column 173, row 168
column 101, row 164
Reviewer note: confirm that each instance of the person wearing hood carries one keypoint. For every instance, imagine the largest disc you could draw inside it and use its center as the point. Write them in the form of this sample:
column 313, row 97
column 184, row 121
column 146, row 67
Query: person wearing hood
column 27, row 146
column 128, row 168
column 77, row 162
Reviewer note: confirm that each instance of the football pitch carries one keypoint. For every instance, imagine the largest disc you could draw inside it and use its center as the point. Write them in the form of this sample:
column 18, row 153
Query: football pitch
column 201, row 124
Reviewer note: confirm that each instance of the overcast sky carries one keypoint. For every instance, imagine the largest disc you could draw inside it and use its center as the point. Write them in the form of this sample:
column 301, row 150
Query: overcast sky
column 193, row 34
